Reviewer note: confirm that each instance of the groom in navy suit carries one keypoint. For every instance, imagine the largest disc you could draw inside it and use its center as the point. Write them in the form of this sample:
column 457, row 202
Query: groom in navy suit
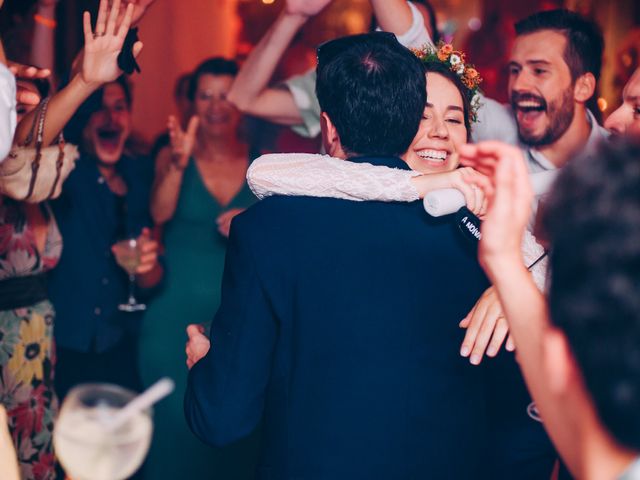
column 338, row 326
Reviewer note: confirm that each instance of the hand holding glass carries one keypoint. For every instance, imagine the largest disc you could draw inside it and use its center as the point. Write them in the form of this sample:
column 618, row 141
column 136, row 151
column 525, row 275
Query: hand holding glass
column 127, row 253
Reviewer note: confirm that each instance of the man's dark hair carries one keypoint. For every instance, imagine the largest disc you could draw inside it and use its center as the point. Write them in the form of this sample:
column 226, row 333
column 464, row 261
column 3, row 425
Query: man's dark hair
column 211, row 66
column 373, row 90
column 593, row 224
column 585, row 44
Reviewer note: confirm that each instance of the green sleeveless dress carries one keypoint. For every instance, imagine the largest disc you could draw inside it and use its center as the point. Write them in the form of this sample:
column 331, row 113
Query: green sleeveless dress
column 194, row 261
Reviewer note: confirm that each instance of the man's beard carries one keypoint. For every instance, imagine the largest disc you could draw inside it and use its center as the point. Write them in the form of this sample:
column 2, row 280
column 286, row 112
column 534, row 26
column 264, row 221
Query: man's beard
column 560, row 116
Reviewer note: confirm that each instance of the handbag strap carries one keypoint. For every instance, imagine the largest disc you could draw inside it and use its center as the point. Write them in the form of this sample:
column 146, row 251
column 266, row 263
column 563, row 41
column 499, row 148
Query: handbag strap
column 59, row 164
column 36, row 120
column 35, row 165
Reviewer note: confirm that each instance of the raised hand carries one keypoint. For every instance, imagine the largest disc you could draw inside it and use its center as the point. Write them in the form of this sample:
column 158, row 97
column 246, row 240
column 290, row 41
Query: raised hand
column 103, row 46
column 182, row 143
column 305, row 8
column 509, row 193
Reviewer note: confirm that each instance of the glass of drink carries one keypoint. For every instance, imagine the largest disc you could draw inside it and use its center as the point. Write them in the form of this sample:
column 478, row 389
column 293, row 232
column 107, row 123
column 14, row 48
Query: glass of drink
column 88, row 446
column 127, row 253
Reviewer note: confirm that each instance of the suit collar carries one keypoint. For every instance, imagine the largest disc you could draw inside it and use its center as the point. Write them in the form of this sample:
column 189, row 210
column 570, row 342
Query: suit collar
column 391, row 162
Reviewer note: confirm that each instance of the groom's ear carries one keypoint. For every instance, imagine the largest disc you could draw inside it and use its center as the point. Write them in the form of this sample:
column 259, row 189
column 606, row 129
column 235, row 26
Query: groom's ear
column 330, row 138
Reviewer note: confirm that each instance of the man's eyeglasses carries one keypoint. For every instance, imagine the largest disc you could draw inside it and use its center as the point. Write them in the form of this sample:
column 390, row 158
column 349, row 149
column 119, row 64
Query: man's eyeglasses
column 327, row 51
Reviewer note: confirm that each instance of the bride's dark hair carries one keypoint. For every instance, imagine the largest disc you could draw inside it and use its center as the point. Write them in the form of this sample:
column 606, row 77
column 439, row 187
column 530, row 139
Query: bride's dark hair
column 466, row 94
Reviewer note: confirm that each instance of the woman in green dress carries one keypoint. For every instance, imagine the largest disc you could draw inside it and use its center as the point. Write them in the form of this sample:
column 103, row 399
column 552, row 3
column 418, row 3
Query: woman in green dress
column 199, row 187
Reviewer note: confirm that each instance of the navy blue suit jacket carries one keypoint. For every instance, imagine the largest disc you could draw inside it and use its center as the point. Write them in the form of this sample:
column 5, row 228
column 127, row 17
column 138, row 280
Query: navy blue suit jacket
column 338, row 328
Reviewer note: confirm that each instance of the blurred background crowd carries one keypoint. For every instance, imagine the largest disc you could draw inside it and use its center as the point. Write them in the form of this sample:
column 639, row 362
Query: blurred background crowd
column 139, row 137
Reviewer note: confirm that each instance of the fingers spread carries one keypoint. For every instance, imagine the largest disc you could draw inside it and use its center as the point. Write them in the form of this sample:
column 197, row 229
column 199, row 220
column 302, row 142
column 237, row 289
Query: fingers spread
column 86, row 27
column 193, row 126
column 113, row 17
column 101, row 22
column 126, row 22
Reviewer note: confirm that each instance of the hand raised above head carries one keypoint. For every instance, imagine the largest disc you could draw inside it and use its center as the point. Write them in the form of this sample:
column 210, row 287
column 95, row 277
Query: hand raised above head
column 306, row 8
column 102, row 47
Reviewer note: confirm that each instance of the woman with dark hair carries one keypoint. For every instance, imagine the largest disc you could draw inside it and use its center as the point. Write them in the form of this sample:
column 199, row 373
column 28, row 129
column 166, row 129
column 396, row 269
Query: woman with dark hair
column 105, row 199
column 200, row 185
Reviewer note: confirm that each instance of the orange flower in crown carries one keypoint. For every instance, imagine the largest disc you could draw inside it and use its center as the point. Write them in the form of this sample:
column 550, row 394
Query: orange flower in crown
column 445, row 51
column 456, row 62
column 472, row 73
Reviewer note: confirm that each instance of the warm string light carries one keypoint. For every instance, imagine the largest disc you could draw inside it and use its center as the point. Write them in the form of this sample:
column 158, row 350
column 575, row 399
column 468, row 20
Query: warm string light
column 602, row 104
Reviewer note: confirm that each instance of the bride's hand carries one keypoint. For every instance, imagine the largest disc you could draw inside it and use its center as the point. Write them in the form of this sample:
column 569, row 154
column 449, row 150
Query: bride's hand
column 486, row 327
column 462, row 179
column 102, row 47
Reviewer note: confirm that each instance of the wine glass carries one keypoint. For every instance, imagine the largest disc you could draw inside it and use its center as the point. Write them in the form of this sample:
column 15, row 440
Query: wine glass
column 85, row 442
column 127, row 253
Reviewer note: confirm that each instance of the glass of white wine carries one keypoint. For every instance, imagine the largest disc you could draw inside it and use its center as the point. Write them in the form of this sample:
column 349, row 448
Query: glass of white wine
column 127, row 253
column 85, row 442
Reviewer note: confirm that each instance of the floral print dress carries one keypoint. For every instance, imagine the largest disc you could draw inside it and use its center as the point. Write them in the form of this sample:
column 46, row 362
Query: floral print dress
column 26, row 342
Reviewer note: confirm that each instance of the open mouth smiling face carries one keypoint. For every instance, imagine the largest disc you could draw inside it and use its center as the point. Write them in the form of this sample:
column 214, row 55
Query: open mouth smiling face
column 541, row 88
column 530, row 111
column 441, row 130
column 109, row 128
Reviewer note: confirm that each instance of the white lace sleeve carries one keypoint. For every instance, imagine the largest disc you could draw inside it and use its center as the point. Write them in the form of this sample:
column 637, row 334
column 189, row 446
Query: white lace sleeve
column 534, row 253
column 324, row 176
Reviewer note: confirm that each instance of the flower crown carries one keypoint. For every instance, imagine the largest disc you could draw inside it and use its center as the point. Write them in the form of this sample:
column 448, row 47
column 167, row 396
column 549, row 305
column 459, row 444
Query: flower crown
column 455, row 61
